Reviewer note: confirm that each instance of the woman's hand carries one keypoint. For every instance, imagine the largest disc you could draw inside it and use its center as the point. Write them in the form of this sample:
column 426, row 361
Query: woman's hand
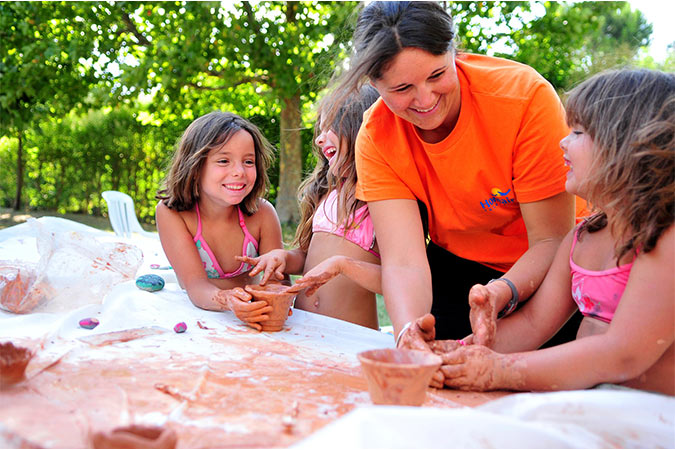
column 238, row 301
column 483, row 315
column 419, row 335
column 320, row 274
column 271, row 263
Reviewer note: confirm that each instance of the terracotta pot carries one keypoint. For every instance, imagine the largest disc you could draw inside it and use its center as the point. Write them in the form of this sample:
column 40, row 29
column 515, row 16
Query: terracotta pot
column 13, row 362
column 278, row 297
column 135, row 436
column 398, row 377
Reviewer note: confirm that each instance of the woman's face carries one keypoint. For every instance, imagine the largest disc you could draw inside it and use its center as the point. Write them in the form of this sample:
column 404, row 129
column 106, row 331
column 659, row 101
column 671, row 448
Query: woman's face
column 423, row 89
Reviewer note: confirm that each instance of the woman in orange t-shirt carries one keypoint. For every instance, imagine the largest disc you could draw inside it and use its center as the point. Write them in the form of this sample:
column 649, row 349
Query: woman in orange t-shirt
column 466, row 145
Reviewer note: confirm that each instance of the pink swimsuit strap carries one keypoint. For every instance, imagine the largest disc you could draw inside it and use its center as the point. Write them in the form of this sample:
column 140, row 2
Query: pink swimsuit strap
column 249, row 248
column 362, row 232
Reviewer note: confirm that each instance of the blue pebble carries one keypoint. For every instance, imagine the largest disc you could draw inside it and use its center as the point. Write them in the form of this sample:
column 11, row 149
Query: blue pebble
column 150, row 282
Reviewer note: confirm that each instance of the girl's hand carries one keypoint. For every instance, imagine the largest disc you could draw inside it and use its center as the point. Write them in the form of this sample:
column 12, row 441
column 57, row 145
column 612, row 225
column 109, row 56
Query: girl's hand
column 320, row 274
column 272, row 263
column 238, row 301
column 475, row 368
column 483, row 315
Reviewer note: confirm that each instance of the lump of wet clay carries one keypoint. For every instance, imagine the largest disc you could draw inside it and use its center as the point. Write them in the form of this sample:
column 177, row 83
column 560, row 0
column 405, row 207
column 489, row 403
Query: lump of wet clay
column 150, row 282
column 180, row 327
column 135, row 436
column 13, row 362
column 89, row 323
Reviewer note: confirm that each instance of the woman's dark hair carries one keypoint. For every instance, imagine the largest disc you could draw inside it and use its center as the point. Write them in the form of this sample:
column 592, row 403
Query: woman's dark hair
column 181, row 186
column 382, row 30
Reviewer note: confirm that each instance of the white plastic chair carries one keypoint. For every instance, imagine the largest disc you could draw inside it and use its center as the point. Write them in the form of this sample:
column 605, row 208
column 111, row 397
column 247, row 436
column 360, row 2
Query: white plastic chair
column 123, row 215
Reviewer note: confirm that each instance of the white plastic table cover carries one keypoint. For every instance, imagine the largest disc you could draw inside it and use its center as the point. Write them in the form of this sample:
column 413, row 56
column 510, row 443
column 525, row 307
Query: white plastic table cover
column 222, row 384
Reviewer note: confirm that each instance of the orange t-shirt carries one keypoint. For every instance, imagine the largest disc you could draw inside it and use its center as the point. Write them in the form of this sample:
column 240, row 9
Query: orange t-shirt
column 503, row 150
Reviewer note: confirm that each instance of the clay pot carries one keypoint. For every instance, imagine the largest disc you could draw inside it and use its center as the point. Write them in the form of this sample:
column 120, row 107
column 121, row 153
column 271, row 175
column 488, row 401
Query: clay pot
column 278, row 297
column 13, row 362
column 398, row 377
column 136, row 436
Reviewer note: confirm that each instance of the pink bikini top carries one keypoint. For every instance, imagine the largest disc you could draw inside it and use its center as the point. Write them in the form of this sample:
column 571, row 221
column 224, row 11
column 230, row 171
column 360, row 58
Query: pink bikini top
column 597, row 293
column 213, row 270
column 361, row 234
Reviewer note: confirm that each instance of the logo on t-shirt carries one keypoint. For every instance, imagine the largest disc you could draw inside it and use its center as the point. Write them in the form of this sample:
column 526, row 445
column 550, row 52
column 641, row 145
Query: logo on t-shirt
column 497, row 197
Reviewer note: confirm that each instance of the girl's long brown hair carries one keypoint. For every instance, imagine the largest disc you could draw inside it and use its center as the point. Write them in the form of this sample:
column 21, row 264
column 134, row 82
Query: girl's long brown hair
column 180, row 189
column 630, row 116
column 345, row 124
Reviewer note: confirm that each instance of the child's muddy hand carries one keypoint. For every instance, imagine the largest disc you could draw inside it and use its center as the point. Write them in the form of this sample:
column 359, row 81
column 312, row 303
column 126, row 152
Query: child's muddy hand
column 238, row 301
column 438, row 380
column 418, row 334
column 320, row 274
column 483, row 315
column 440, row 347
column 271, row 264
column 471, row 368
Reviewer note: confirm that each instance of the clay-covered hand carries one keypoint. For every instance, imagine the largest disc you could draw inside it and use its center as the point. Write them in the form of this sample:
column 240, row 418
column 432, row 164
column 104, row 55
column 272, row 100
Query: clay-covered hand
column 238, row 301
column 477, row 368
column 483, row 314
column 319, row 275
column 272, row 263
column 418, row 334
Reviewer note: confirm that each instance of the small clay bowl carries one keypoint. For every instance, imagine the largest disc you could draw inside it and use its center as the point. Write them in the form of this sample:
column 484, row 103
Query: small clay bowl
column 276, row 296
column 13, row 362
column 136, row 436
column 398, row 377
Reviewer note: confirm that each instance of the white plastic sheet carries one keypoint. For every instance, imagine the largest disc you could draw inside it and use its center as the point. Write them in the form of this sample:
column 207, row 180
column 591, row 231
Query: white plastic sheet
column 599, row 418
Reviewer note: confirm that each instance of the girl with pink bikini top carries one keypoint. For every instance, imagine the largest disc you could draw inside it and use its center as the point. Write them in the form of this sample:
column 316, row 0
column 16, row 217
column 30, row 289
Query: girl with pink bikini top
column 335, row 245
column 214, row 187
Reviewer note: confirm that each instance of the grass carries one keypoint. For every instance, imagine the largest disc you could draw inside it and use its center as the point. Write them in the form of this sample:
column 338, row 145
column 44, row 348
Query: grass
column 9, row 217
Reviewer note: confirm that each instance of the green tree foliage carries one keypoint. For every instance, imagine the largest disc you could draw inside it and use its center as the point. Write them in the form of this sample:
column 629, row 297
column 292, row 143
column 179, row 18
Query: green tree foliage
column 257, row 59
column 99, row 92
column 571, row 41
column 42, row 74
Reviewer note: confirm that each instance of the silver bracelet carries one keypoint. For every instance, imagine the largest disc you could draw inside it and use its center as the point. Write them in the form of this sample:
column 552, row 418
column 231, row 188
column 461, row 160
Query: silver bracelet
column 405, row 327
column 511, row 305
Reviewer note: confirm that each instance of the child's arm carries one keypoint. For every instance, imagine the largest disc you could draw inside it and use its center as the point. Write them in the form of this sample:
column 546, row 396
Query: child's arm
column 367, row 275
column 181, row 252
column 273, row 259
column 641, row 331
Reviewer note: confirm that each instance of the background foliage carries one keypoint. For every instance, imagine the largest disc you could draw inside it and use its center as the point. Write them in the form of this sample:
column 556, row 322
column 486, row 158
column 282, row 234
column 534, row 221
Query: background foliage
column 94, row 95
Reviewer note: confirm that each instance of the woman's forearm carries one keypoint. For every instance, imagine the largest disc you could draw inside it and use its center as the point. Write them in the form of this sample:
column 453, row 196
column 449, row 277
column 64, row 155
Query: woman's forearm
column 407, row 294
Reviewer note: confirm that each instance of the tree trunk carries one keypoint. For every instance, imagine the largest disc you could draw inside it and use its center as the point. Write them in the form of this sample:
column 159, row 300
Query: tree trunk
column 290, row 161
column 19, row 172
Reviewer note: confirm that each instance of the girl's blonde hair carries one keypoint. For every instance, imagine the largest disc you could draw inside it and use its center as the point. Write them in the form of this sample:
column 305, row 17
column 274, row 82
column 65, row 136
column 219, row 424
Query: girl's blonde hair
column 345, row 124
column 630, row 116
column 181, row 186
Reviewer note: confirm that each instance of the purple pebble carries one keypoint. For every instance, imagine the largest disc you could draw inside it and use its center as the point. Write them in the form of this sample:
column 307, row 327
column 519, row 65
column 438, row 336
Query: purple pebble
column 180, row 327
column 89, row 323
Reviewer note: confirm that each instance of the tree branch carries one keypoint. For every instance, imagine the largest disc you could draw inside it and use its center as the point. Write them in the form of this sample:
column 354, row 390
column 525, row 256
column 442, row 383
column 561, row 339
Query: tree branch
column 131, row 28
column 251, row 18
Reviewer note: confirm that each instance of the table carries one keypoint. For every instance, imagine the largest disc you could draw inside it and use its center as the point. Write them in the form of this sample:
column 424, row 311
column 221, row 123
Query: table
column 222, row 384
